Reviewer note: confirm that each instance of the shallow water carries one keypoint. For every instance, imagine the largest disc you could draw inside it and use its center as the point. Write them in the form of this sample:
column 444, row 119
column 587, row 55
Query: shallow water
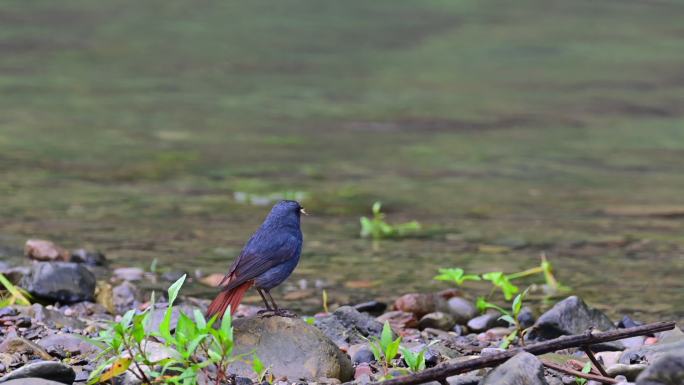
column 551, row 127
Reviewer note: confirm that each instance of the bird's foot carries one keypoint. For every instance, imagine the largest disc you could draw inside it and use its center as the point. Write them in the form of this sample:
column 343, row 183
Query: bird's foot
column 265, row 313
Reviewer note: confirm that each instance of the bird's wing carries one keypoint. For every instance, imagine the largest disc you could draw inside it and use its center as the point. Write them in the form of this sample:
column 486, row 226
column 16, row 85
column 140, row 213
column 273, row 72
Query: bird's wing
column 259, row 255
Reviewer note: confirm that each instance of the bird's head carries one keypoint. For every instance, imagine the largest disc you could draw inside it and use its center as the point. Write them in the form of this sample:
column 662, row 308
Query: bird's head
column 285, row 211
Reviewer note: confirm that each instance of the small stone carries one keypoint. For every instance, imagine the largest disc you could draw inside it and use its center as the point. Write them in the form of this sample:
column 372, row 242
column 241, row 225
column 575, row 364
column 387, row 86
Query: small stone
column 129, row 273
column 346, row 326
column 627, row 322
column 42, row 250
column 399, row 320
column 31, row 381
column 48, row 370
column 460, row 330
column 490, row 351
column 629, row 371
column 416, row 303
column 64, row 282
column 526, row 318
column 361, row 370
column 436, row 320
column 91, row 258
column 461, row 310
column 374, row 308
column 243, row 380
column 667, row 369
column 523, row 368
column 125, row 297
column 18, row 345
column 363, row 355
column 69, row 343
column 485, row 321
column 172, row 276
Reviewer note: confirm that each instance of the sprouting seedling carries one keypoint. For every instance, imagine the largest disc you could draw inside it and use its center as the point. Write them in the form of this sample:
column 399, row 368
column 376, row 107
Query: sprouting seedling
column 586, row 369
column 456, row 276
column 509, row 316
column 14, row 294
column 385, row 349
column 415, row 360
column 498, row 279
column 259, row 368
column 377, row 228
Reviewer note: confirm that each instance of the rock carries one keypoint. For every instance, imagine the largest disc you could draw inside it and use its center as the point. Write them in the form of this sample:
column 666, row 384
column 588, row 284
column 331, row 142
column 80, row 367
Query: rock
column 523, row 369
column 91, row 258
column 49, row 370
column 290, row 347
column 399, row 320
column 31, row 381
column 486, row 321
column 462, row 379
column 69, row 343
column 243, row 381
column 668, row 369
column 416, row 303
column 651, row 353
column 64, row 282
column 569, row 316
column 363, row 370
column 460, row 309
column 436, row 320
column 374, row 308
column 125, row 297
column 52, row 318
column 42, row 250
column 627, row 322
column 490, row 351
column 129, row 273
column 346, row 326
column 18, row 345
column 526, row 317
column 608, row 358
column 363, row 355
column 629, row 371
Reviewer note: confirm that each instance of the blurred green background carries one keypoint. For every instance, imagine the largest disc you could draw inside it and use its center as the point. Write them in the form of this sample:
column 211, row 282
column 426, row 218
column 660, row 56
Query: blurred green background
column 160, row 129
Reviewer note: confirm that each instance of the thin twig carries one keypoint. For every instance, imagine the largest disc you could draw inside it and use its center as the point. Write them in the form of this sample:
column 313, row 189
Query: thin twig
column 447, row 370
column 594, row 361
column 588, row 376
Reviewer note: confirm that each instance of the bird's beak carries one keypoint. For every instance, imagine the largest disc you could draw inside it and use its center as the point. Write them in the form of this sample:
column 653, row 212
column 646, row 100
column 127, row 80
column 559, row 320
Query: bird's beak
column 303, row 211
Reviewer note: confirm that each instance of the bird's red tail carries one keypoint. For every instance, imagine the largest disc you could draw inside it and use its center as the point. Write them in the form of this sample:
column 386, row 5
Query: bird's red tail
column 231, row 297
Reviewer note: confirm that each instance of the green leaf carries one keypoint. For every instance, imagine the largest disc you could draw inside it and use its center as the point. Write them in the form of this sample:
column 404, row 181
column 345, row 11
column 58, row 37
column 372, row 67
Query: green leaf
column 508, row 339
column 508, row 319
column 200, row 321
column 392, row 350
column 226, row 330
column 376, row 208
column 586, row 368
column 175, row 288
column 16, row 294
column 377, row 350
column 386, row 336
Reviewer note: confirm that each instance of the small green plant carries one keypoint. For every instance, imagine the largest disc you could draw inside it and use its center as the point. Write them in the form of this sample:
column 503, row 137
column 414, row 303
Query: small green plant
column 500, row 280
column 194, row 347
column 415, row 360
column 456, row 276
column 259, row 368
column 586, row 369
column 512, row 319
column 377, row 228
column 385, row 349
column 11, row 294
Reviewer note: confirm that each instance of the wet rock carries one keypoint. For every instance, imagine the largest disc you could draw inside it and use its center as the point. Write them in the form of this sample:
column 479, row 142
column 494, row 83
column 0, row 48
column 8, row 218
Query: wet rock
column 42, row 250
column 629, row 371
column 436, row 320
column 346, row 326
column 91, row 258
column 63, row 282
column 486, row 321
column 651, row 353
column 290, row 347
column 460, row 309
column 523, row 368
column 18, row 345
column 129, row 273
column 526, row 317
column 374, row 308
column 49, row 370
column 125, row 297
column 418, row 304
column 69, row 343
column 668, row 369
column 570, row 316
column 31, row 381
column 399, row 320
column 363, row 355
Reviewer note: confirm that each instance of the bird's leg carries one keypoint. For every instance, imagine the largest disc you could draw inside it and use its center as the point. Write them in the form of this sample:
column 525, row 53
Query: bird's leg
column 261, row 293
column 280, row 312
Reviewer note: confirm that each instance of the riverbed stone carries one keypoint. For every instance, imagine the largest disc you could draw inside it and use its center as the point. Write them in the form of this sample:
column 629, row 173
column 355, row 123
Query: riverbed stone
column 92, row 258
column 347, row 326
column 63, row 282
column 125, row 297
column 485, row 321
column 51, row 317
column 461, row 309
column 629, row 371
column 31, row 381
column 651, row 353
column 43, row 250
column 668, row 369
column 129, row 273
column 290, row 347
column 49, row 370
column 569, row 316
column 523, row 368
column 67, row 342
column 436, row 320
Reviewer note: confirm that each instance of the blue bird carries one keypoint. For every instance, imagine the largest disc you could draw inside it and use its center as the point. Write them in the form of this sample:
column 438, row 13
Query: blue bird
column 268, row 258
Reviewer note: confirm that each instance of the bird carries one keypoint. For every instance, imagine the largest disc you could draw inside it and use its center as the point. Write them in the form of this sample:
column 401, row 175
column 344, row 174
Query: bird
column 267, row 259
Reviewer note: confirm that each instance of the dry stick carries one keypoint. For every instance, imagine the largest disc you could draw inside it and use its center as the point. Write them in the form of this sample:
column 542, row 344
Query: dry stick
column 605, row 380
column 594, row 361
column 447, row 370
